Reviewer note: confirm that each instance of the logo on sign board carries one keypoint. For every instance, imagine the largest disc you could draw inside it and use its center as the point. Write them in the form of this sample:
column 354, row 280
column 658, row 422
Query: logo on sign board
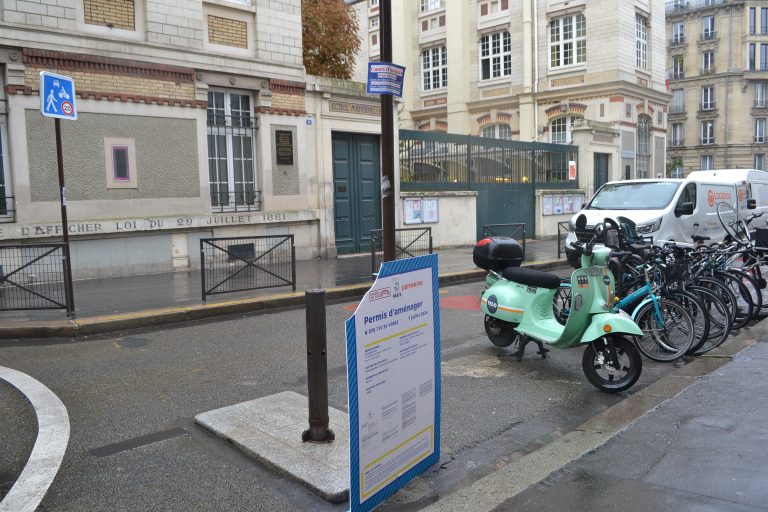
column 397, row 293
column 381, row 293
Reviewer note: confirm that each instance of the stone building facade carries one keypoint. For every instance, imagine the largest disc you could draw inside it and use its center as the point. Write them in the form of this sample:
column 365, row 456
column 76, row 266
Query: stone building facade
column 588, row 73
column 188, row 96
column 718, row 75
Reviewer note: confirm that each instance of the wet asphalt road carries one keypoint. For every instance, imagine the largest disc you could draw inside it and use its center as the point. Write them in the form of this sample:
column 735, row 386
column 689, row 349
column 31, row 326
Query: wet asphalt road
column 131, row 400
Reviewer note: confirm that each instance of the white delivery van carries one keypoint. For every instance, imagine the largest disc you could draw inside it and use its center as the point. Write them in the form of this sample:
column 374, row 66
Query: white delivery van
column 673, row 209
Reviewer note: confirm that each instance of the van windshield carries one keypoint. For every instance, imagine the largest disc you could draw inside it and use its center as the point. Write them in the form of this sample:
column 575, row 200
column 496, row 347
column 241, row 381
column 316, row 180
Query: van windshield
column 649, row 195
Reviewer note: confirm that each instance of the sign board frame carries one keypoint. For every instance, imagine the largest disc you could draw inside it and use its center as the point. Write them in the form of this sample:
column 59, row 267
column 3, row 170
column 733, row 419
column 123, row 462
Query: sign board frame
column 410, row 288
column 57, row 90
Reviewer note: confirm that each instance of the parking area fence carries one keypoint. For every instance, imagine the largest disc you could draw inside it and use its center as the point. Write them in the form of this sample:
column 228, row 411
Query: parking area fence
column 514, row 230
column 33, row 277
column 246, row 263
column 409, row 242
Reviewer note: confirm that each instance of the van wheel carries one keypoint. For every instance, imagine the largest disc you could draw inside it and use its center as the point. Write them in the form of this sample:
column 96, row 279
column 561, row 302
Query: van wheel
column 501, row 333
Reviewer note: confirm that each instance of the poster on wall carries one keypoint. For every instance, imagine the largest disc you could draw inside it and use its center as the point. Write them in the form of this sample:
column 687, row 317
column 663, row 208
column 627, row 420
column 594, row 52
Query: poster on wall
column 558, row 209
column 412, row 210
column 578, row 203
column 567, row 204
column 546, row 205
column 430, row 212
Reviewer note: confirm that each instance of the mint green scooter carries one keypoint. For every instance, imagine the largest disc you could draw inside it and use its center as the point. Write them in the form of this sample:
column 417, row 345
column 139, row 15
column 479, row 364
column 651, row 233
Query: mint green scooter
column 518, row 307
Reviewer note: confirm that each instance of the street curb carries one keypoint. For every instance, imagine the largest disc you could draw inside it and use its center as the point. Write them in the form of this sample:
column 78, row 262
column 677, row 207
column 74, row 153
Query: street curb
column 89, row 326
column 491, row 491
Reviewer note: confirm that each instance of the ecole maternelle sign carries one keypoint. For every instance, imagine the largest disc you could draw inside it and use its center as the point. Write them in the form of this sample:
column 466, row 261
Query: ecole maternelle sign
column 96, row 227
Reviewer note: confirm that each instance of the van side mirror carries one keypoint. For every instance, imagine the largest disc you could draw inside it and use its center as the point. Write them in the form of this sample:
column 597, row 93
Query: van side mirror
column 684, row 209
column 751, row 204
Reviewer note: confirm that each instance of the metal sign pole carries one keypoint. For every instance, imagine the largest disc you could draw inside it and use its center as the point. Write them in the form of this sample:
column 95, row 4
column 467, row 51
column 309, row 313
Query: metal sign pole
column 64, row 223
column 387, row 140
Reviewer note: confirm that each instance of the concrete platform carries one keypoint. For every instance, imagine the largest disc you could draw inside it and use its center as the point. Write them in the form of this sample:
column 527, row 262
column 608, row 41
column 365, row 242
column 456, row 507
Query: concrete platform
column 269, row 429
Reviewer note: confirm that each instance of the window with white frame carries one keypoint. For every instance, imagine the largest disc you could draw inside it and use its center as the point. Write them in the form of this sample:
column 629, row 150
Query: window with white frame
column 643, row 155
column 759, row 130
column 678, row 66
column 764, row 20
column 641, row 41
column 752, row 20
column 761, row 94
column 707, row 132
column 497, row 131
column 432, row 5
column 708, row 97
column 560, row 130
column 374, row 22
column 763, row 57
column 568, row 41
column 707, row 162
column 676, row 172
column 759, row 163
column 677, row 135
column 373, row 3
column 495, row 55
column 708, row 27
column 678, row 32
column 751, row 57
column 708, row 61
column 434, row 68
column 6, row 201
column 231, row 151
column 678, row 101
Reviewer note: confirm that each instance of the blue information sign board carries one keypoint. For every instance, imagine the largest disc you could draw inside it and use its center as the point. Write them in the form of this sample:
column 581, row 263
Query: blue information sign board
column 393, row 381
column 385, row 78
column 57, row 96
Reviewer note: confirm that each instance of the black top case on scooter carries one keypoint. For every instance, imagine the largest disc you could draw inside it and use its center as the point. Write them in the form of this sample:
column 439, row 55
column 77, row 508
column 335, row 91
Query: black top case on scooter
column 497, row 253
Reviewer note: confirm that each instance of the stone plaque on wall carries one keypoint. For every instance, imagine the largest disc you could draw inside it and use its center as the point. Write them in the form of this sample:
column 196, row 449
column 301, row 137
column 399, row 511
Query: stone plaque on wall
column 284, row 147
column 285, row 169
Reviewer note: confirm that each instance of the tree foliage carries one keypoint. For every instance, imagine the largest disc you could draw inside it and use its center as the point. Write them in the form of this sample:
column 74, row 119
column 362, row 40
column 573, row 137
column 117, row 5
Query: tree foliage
column 329, row 31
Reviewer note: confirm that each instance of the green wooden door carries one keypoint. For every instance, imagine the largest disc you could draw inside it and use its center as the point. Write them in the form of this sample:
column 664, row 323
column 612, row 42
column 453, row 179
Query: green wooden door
column 601, row 169
column 356, row 190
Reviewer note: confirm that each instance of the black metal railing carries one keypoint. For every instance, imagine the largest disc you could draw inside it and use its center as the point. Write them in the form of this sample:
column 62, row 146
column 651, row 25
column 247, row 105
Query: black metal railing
column 515, row 230
column 7, row 207
column 678, row 143
column 33, row 277
column 239, row 201
column 409, row 243
column 562, row 233
column 246, row 263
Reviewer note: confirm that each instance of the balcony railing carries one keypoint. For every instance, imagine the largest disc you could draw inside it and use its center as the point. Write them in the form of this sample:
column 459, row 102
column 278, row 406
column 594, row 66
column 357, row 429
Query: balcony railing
column 678, row 143
column 708, row 106
column 760, row 103
column 677, row 109
column 707, row 141
column 759, row 139
column 676, row 40
column 710, row 35
column 708, row 71
column 677, row 75
column 673, row 6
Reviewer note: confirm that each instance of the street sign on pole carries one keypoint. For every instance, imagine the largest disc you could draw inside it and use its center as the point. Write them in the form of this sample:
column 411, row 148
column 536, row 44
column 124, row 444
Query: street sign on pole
column 57, row 96
column 393, row 381
column 57, row 100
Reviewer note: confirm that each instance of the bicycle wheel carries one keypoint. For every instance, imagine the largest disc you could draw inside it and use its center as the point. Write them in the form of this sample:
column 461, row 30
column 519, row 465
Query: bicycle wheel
column 699, row 315
column 744, row 306
column 733, row 223
column 667, row 338
column 759, row 272
column 719, row 320
column 752, row 287
column 723, row 293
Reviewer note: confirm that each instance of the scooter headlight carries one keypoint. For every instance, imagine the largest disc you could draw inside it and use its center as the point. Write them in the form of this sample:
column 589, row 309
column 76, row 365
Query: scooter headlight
column 649, row 227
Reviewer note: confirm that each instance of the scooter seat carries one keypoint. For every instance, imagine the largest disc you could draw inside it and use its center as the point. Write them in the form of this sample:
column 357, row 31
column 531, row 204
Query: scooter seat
column 531, row 277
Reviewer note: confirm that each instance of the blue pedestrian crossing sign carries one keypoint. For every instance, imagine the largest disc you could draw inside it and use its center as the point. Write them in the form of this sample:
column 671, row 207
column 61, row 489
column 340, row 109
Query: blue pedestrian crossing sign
column 57, row 96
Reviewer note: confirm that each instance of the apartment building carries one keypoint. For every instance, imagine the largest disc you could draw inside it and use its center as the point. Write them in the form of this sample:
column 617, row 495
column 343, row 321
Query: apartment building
column 718, row 62
column 196, row 120
column 563, row 71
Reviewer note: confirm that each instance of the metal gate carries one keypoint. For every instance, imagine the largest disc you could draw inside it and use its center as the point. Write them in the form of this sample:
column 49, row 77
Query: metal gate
column 504, row 173
column 409, row 242
column 33, row 277
column 246, row 263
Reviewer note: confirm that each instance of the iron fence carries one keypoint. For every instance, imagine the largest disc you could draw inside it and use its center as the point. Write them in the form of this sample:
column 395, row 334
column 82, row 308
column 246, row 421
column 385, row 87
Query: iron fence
column 33, row 277
column 458, row 161
column 514, row 230
column 247, row 263
column 409, row 242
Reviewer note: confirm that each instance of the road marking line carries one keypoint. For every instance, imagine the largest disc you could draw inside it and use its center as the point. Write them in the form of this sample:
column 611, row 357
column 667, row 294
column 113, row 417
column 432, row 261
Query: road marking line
column 50, row 445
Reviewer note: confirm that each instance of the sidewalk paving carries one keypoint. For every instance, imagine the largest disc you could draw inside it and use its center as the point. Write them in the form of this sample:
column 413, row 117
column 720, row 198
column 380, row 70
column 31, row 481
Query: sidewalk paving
column 155, row 299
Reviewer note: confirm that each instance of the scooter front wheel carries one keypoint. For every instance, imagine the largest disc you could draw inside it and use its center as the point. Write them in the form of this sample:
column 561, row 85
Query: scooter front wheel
column 612, row 364
column 501, row 333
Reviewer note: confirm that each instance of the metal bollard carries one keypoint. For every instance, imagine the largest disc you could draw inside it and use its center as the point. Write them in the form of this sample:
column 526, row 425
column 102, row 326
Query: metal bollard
column 317, row 369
